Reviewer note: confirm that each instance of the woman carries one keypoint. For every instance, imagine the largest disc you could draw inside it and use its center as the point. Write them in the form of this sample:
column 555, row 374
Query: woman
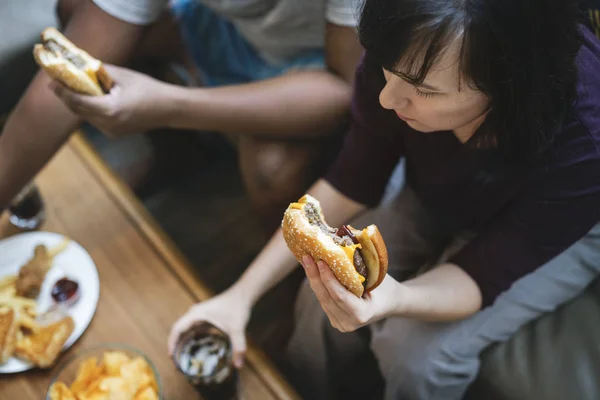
column 495, row 107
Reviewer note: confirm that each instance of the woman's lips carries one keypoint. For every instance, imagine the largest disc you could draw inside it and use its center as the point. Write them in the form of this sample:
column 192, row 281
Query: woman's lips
column 402, row 117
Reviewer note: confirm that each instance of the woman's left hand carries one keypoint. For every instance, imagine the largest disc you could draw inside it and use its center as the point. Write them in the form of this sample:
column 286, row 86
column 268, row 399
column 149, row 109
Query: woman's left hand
column 345, row 311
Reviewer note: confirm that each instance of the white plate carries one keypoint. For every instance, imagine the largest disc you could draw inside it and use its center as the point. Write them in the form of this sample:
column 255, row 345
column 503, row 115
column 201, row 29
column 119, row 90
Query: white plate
column 74, row 263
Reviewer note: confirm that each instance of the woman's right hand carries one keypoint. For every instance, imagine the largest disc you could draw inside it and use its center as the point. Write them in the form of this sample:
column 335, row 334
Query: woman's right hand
column 228, row 311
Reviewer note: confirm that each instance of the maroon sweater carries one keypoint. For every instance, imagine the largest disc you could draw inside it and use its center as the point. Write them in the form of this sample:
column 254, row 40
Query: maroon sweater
column 523, row 219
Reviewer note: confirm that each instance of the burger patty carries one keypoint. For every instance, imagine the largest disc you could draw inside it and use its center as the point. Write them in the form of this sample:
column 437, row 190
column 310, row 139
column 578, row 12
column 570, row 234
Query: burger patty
column 56, row 47
column 341, row 236
column 359, row 264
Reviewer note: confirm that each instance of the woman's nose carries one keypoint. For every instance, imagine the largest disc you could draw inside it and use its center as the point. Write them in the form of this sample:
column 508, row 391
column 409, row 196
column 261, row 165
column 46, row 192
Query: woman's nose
column 393, row 95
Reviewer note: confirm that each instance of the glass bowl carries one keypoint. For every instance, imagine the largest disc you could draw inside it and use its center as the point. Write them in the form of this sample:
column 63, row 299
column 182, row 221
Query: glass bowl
column 67, row 370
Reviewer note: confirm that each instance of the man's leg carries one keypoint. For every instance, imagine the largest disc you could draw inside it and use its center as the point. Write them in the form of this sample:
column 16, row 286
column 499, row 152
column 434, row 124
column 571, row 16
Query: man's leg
column 65, row 9
column 437, row 361
column 160, row 155
column 276, row 172
column 162, row 41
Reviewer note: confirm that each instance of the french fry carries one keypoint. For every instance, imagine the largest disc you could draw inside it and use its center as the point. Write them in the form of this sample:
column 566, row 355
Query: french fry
column 18, row 302
column 20, row 335
column 27, row 322
column 8, row 281
column 53, row 252
column 31, row 312
column 9, row 291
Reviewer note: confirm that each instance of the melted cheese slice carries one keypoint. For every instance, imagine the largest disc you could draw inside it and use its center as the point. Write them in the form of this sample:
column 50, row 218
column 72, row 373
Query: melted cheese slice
column 349, row 250
column 92, row 74
column 297, row 206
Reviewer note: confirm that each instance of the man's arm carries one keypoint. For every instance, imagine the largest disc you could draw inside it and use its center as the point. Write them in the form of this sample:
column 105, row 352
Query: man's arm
column 299, row 104
column 41, row 123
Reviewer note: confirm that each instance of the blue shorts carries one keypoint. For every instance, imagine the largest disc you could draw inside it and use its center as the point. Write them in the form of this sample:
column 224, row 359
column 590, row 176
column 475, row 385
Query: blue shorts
column 222, row 54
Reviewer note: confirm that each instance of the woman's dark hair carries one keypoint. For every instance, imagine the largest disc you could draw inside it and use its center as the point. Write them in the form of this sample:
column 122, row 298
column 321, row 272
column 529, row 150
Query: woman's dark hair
column 520, row 53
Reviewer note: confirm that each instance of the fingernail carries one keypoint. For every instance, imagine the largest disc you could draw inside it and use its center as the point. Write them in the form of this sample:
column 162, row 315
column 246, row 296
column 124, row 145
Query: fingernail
column 305, row 260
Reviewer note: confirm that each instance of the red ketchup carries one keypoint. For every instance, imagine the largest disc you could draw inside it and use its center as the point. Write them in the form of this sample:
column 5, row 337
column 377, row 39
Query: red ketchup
column 65, row 291
column 345, row 231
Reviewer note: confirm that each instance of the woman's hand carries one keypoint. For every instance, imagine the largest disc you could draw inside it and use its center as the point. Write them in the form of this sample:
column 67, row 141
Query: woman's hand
column 228, row 311
column 136, row 103
column 347, row 312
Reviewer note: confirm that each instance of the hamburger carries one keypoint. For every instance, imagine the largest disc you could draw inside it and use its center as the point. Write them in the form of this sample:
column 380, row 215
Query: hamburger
column 358, row 258
column 67, row 63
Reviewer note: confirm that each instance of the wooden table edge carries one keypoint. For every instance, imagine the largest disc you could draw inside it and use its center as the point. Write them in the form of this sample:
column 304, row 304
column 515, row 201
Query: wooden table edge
column 170, row 253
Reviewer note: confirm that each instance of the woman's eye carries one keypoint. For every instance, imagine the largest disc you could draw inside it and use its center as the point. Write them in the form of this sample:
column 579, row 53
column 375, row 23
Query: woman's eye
column 424, row 94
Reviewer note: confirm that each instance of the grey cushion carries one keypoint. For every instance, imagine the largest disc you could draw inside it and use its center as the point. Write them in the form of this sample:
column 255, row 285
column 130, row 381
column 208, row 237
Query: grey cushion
column 555, row 357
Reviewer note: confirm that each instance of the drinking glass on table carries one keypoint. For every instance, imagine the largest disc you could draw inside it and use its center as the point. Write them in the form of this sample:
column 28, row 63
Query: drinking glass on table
column 204, row 355
column 27, row 210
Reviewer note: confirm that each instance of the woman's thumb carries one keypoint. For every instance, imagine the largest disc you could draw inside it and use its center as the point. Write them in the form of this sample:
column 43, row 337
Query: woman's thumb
column 238, row 345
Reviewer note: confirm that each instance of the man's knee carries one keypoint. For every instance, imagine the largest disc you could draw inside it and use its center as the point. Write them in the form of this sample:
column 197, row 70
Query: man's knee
column 264, row 164
column 65, row 10
column 276, row 173
column 276, row 166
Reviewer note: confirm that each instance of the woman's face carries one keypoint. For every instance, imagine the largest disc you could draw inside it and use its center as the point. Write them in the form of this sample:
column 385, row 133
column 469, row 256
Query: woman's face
column 440, row 103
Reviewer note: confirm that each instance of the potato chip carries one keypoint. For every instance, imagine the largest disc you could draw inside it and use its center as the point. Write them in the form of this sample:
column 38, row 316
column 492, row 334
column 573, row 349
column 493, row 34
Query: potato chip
column 113, row 360
column 117, row 377
column 146, row 394
column 146, row 379
column 92, row 388
column 120, row 396
column 98, row 395
column 60, row 391
column 88, row 371
column 113, row 384
column 154, row 384
column 140, row 365
column 134, row 372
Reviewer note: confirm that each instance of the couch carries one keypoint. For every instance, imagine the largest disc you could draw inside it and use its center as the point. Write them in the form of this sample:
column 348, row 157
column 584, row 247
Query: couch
column 556, row 357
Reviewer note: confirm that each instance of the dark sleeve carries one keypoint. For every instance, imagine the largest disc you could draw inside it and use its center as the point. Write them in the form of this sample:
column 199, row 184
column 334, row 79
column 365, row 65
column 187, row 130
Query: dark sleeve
column 372, row 147
column 540, row 225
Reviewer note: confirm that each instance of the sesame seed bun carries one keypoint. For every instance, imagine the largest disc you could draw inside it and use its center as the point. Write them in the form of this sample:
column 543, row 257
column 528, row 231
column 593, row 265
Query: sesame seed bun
column 91, row 78
column 303, row 238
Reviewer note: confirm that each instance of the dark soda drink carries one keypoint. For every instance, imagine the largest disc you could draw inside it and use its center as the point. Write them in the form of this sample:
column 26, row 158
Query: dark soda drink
column 204, row 355
column 27, row 209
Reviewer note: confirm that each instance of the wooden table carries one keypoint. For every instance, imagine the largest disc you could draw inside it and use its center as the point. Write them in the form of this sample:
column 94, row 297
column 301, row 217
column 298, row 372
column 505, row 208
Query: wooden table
column 145, row 283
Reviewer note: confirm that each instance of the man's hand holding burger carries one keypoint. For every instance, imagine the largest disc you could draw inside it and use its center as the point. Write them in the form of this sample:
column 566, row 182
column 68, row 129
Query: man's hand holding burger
column 345, row 311
column 136, row 103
